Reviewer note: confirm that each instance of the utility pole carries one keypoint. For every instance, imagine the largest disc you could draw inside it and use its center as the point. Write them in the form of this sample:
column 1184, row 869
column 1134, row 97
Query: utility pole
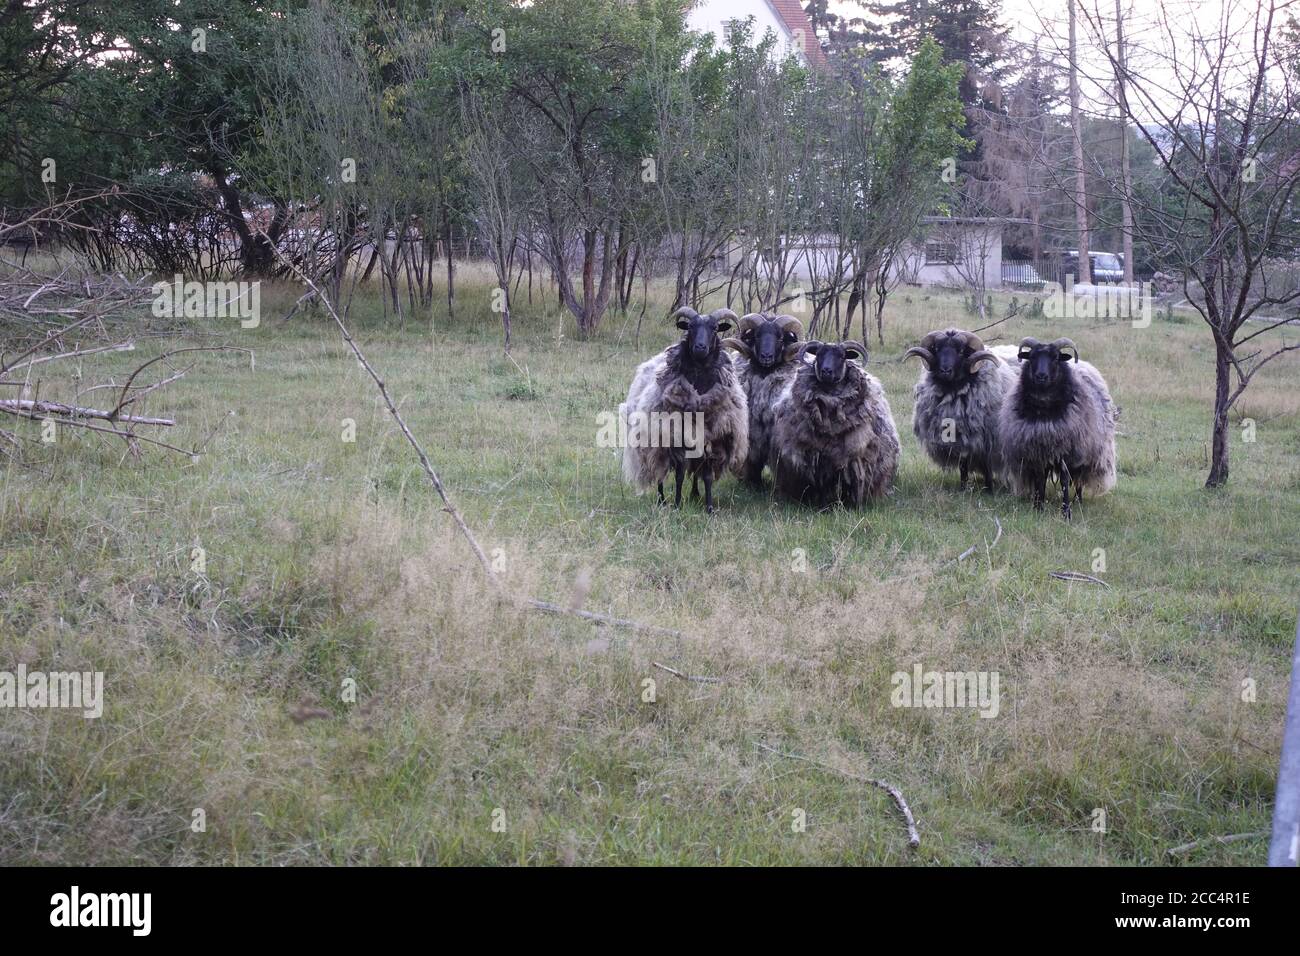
column 1126, row 174
column 1080, row 180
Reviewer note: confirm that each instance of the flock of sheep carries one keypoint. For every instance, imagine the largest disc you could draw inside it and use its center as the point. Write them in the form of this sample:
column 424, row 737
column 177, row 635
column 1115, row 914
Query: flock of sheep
column 810, row 412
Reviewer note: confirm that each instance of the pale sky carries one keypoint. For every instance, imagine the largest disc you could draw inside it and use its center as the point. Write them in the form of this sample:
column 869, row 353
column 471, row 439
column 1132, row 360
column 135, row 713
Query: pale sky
column 1149, row 27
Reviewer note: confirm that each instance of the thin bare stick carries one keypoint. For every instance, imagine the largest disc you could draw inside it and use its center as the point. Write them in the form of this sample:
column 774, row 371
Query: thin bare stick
column 689, row 677
column 1077, row 576
column 50, row 337
column 991, row 545
column 121, row 347
column 913, row 837
column 1228, row 838
column 438, row 486
column 597, row 618
column 123, row 401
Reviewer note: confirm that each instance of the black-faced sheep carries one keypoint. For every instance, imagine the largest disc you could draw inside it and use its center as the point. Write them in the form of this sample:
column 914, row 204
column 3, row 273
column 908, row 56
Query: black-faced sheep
column 686, row 410
column 1058, row 421
column 835, row 438
column 958, row 399
column 767, row 346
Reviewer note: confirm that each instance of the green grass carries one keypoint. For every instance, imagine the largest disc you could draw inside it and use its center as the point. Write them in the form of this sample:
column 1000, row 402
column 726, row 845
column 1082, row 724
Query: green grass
column 328, row 560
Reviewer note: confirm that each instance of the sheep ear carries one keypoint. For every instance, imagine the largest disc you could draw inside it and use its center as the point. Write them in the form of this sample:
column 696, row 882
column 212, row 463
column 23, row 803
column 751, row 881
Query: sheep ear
column 1066, row 356
column 1022, row 354
column 683, row 324
column 724, row 326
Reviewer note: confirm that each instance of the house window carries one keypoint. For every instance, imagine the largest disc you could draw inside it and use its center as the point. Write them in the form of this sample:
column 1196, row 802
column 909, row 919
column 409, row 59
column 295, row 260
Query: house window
column 940, row 253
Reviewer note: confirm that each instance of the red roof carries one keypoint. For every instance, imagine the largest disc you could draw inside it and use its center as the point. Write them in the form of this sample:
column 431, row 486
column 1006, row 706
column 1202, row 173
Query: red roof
column 797, row 22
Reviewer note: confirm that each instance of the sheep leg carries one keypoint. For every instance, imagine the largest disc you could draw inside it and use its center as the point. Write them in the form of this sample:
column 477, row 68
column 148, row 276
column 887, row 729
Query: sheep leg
column 988, row 477
column 1064, row 472
column 680, row 468
column 662, row 499
column 1040, row 490
column 708, row 492
column 695, row 487
column 964, row 464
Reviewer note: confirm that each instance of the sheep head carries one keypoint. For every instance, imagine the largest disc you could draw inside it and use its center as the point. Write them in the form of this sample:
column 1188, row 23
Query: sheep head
column 951, row 355
column 830, row 360
column 700, row 341
column 767, row 340
column 1046, row 363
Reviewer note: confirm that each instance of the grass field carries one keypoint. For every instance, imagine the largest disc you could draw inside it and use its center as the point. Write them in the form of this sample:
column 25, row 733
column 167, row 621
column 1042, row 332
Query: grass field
column 326, row 560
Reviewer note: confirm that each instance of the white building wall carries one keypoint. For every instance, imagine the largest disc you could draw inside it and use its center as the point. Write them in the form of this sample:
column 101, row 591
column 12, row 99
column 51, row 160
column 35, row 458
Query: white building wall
column 709, row 16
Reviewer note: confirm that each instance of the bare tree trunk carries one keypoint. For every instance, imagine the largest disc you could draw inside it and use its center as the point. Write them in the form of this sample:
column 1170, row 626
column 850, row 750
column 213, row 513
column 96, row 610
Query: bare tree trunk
column 1126, row 174
column 451, row 283
column 505, row 310
column 1222, row 390
column 1080, row 179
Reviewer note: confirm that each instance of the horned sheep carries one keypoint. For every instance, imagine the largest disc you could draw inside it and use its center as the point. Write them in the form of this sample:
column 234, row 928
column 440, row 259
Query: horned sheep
column 958, row 399
column 686, row 410
column 835, row 438
column 766, row 347
column 1058, row 420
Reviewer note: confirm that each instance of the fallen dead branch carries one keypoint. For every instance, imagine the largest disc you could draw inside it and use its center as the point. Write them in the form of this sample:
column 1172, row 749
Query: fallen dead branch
column 104, row 298
column 42, row 407
column 1228, row 838
column 689, row 677
column 448, row 506
column 989, row 546
column 913, row 836
column 1077, row 576
column 596, row 618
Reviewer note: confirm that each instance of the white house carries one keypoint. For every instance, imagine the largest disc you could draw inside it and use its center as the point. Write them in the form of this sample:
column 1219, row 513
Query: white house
column 962, row 252
column 785, row 18
column 955, row 252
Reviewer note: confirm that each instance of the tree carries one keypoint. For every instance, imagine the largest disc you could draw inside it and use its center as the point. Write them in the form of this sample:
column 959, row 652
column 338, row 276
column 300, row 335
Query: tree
column 1225, row 137
column 576, row 69
column 967, row 32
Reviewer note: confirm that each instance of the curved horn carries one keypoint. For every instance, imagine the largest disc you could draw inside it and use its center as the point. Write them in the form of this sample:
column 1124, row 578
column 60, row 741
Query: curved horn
column 809, row 348
column 983, row 355
column 851, row 344
column 687, row 311
column 924, row 354
column 973, row 342
column 723, row 313
column 1028, row 342
column 1062, row 344
column 788, row 323
column 750, row 320
column 738, row 346
column 932, row 339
